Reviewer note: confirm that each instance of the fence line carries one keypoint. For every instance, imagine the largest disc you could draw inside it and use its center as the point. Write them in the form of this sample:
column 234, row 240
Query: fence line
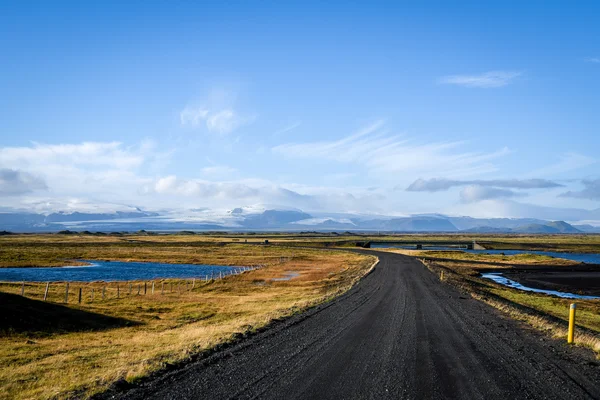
column 51, row 291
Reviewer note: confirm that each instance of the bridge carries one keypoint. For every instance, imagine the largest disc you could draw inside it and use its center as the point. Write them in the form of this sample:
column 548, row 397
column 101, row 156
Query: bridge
column 420, row 244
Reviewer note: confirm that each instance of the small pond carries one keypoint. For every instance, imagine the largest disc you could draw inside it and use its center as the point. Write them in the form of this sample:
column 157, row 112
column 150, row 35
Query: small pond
column 498, row 278
column 115, row 271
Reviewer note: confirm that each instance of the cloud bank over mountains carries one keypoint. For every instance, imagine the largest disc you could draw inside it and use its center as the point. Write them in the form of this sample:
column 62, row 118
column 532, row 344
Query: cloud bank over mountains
column 360, row 173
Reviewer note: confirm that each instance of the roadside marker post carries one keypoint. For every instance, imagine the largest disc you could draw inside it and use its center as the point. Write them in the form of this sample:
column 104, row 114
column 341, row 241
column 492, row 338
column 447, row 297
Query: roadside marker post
column 67, row 293
column 572, row 309
column 46, row 291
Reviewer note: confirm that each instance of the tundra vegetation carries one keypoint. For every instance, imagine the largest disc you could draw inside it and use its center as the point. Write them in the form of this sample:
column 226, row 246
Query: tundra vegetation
column 55, row 350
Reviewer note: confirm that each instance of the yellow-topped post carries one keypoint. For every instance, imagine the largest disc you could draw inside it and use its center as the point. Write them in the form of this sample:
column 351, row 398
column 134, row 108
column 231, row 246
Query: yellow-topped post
column 571, row 323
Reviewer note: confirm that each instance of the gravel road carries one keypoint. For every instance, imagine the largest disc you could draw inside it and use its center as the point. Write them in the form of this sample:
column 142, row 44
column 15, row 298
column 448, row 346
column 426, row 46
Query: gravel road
column 400, row 333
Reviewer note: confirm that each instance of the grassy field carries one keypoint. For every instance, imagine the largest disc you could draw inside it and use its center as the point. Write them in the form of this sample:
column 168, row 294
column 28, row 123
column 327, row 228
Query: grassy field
column 54, row 250
column 58, row 250
column 500, row 260
column 53, row 350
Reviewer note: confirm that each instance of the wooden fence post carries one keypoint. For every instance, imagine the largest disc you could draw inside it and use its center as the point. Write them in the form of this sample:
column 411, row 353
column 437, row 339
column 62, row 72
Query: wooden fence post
column 67, row 293
column 145, row 288
column 152, row 287
column 79, row 297
column 46, row 291
column 162, row 288
column 139, row 288
column 193, row 283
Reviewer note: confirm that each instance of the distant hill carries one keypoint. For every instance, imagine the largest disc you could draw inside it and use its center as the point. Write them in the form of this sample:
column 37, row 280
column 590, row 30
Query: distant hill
column 563, row 227
column 419, row 224
column 273, row 219
column 487, row 229
column 588, row 228
column 550, row 227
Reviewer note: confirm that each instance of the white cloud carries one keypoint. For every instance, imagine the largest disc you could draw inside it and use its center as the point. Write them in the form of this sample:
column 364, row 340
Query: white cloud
column 474, row 193
column 492, row 79
column 14, row 182
column 591, row 190
column 380, row 152
column 220, row 121
column 217, row 113
column 112, row 154
column 595, row 60
column 193, row 116
column 233, row 190
column 104, row 171
column 439, row 184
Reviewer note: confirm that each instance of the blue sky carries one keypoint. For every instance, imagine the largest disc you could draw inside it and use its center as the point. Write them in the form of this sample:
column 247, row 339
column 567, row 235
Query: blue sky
column 337, row 107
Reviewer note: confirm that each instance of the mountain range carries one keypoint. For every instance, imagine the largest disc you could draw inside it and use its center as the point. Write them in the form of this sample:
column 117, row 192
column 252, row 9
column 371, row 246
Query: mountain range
column 271, row 219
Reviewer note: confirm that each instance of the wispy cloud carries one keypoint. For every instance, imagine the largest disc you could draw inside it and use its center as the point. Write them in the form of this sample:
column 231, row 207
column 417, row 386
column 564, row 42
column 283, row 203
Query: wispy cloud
column 374, row 148
column 220, row 121
column 492, row 79
column 88, row 153
column 287, row 128
column 217, row 112
column 591, row 190
column 595, row 60
column 440, row 184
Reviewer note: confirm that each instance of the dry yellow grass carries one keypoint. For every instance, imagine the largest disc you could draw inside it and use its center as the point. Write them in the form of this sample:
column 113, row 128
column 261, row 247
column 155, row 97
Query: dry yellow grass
column 544, row 312
column 499, row 259
column 161, row 329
